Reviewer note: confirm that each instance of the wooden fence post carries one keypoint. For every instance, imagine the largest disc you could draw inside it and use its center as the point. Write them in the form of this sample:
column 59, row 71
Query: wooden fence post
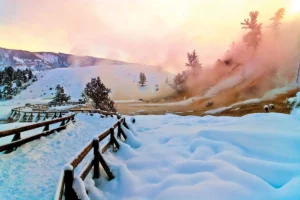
column 119, row 129
column 121, row 132
column 54, row 116
column 24, row 118
column 124, row 122
column 30, row 117
column 113, row 140
column 106, row 168
column 96, row 158
column 38, row 117
column 62, row 123
column 17, row 136
column 68, row 179
column 46, row 127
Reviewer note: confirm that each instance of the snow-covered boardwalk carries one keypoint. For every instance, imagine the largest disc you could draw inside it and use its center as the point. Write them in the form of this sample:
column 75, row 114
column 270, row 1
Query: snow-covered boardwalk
column 252, row 157
column 33, row 170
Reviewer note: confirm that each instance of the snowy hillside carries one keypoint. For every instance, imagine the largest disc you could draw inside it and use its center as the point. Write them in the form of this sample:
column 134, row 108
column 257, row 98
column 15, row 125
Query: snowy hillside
column 47, row 60
column 122, row 79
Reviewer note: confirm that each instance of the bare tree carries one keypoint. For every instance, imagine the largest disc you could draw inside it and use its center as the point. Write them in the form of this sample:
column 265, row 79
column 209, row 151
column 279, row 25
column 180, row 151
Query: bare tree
column 276, row 20
column 253, row 37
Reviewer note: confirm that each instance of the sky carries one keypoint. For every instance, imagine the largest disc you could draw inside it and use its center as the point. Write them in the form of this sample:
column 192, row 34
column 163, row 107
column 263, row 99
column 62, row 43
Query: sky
column 150, row 32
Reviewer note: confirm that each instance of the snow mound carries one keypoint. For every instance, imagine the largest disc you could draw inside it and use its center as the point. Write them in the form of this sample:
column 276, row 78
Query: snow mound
column 131, row 139
column 252, row 157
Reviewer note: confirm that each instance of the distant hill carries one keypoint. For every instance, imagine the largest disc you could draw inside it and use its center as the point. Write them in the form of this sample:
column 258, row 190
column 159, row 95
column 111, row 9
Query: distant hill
column 47, row 60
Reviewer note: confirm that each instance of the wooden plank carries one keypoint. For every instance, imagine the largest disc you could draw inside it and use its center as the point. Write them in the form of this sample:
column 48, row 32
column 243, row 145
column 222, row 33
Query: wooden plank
column 105, row 147
column 83, row 174
column 60, row 187
column 29, row 139
column 104, row 135
column 81, row 156
column 33, row 126
column 105, row 167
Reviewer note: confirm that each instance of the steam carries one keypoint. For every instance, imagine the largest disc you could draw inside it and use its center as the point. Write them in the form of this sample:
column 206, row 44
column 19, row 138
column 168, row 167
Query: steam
column 252, row 73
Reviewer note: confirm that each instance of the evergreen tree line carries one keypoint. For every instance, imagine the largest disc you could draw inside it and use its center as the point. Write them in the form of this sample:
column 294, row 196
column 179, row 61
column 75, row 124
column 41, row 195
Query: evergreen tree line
column 13, row 81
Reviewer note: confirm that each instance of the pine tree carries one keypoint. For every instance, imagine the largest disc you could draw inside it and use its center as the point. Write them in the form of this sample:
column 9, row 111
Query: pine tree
column 84, row 96
column 193, row 61
column 180, row 82
column 276, row 20
column 60, row 95
column 98, row 93
column 18, row 83
column 24, row 78
column 19, row 74
column 30, row 75
column 10, row 72
column 253, row 37
column 1, row 77
column 8, row 91
column 142, row 80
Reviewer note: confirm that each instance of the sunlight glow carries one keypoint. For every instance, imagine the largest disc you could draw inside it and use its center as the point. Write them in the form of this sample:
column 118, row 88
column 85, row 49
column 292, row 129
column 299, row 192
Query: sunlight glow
column 294, row 7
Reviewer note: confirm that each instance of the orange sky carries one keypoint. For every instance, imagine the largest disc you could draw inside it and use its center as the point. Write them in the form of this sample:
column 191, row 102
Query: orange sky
column 145, row 31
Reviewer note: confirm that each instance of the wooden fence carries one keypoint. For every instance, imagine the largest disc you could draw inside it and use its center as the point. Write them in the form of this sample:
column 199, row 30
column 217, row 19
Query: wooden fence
column 106, row 113
column 17, row 141
column 34, row 116
column 65, row 103
column 66, row 181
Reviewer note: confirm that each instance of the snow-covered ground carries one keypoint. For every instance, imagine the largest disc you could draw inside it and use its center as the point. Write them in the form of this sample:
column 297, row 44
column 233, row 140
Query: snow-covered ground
column 173, row 157
column 122, row 79
column 169, row 157
column 33, row 170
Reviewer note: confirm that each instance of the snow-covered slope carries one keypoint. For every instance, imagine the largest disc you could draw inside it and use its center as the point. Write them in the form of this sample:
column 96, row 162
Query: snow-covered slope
column 122, row 79
column 47, row 60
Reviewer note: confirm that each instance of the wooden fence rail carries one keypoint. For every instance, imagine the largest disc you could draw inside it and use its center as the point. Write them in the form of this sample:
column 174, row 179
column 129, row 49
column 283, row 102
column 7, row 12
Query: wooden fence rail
column 106, row 113
column 66, row 103
column 28, row 116
column 66, row 181
column 17, row 141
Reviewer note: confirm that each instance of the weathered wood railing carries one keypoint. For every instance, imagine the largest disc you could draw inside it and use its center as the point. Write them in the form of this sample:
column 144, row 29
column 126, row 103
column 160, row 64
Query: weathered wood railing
column 66, row 103
column 17, row 141
column 106, row 113
column 29, row 116
column 66, row 181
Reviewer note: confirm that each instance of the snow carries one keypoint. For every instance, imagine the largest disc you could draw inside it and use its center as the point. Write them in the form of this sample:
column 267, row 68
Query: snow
column 177, row 103
column 249, row 101
column 224, row 84
column 276, row 91
column 68, row 167
column 74, row 81
column 216, row 111
column 251, row 157
column 34, row 169
column 79, row 188
column 219, row 110
column 128, row 101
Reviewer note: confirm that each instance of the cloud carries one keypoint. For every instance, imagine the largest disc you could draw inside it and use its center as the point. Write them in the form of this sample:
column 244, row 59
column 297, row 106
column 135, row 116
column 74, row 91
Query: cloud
column 153, row 32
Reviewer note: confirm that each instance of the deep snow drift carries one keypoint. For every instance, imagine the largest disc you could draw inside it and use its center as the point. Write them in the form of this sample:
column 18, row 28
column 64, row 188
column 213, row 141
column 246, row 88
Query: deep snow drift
column 252, row 157
column 122, row 79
